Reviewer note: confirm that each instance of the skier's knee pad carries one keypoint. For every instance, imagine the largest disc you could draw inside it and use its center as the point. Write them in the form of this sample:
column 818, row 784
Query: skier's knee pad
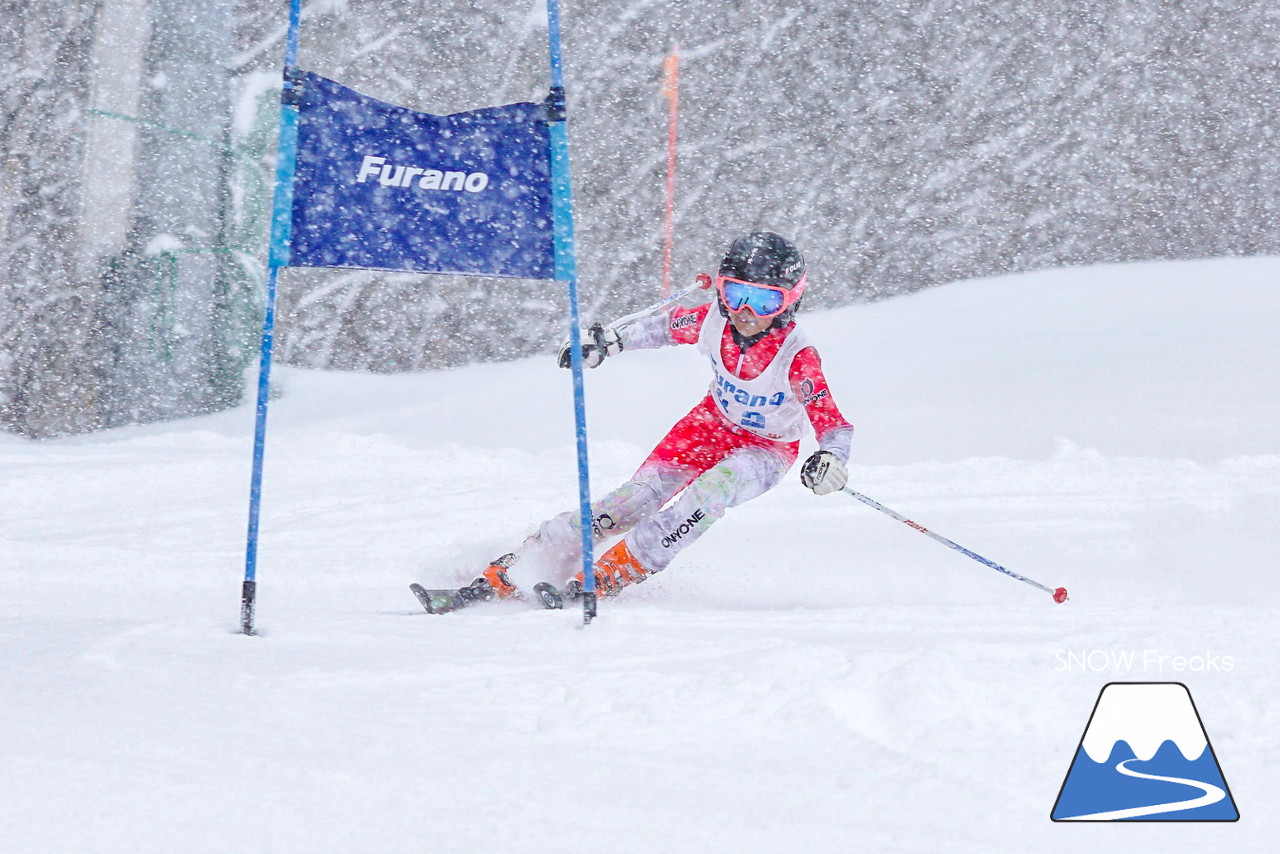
column 743, row 475
column 713, row 491
column 620, row 510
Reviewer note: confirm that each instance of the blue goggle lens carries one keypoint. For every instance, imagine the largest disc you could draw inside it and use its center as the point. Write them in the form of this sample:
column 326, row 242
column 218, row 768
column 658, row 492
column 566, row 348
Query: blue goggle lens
column 763, row 301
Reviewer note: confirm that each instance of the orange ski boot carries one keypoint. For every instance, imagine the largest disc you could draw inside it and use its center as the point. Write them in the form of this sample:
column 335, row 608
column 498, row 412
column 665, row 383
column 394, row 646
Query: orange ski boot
column 494, row 582
column 615, row 569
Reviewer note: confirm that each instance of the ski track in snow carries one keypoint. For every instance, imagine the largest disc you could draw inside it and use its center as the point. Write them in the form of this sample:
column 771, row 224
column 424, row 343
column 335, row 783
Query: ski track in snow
column 811, row 676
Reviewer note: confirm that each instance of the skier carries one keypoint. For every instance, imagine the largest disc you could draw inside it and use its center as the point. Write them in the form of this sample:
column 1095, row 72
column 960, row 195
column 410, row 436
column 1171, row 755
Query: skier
column 734, row 445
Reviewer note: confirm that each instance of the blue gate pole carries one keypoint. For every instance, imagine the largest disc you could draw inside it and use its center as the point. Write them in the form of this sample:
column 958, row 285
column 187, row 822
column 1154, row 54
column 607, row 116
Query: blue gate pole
column 566, row 271
column 281, row 228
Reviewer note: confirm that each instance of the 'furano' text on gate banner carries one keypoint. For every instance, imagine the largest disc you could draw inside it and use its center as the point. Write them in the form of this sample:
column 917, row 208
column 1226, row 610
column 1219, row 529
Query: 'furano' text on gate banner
column 381, row 187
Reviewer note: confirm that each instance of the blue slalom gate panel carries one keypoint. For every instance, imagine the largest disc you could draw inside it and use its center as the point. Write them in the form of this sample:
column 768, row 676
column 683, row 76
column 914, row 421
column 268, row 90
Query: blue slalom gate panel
column 382, row 187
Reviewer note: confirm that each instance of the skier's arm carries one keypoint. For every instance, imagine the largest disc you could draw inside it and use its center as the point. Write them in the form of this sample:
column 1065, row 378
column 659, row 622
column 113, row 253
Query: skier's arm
column 825, row 471
column 810, row 386
column 678, row 325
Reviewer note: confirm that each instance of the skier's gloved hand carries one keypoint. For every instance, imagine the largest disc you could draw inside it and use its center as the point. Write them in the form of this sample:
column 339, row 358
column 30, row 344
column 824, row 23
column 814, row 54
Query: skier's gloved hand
column 824, row 473
column 598, row 342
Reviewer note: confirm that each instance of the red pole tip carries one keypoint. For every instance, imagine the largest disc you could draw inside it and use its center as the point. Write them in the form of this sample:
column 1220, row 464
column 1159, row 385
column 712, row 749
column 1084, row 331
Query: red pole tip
column 1060, row 595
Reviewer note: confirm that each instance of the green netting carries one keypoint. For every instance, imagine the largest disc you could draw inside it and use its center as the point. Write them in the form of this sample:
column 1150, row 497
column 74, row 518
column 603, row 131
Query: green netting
column 241, row 275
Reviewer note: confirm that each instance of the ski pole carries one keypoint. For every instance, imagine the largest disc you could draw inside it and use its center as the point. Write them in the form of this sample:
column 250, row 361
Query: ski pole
column 1059, row 595
column 703, row 283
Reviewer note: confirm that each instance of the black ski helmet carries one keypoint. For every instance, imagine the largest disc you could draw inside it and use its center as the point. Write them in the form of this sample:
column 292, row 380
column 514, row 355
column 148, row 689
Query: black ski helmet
column 768, row 259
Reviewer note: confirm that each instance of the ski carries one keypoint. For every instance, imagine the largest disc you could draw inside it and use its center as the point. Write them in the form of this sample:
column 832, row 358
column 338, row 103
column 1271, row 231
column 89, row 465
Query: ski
column 447, row 600
column 442, row 601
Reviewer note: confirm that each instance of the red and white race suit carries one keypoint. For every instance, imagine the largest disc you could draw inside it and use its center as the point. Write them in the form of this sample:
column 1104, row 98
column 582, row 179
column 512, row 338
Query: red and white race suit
column 734, row 445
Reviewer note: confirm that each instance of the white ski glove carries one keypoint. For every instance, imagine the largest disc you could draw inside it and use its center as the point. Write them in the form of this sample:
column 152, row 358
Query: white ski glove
column 824, row 473
column 598, row 342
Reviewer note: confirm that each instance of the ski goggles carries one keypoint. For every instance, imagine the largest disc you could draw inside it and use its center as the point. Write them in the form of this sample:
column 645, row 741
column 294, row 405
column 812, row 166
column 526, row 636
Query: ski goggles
column 763, row 300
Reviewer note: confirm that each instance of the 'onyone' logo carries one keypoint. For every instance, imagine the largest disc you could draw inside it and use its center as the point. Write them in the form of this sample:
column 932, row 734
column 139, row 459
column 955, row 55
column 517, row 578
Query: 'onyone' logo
column 391, row 175
column 683, row 528
column 806, row 392
column 686, row 320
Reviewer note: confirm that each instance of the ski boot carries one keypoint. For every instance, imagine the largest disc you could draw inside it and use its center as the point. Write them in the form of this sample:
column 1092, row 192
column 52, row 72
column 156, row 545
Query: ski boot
column 493, row 582
column 487, row 586
column 615, row 569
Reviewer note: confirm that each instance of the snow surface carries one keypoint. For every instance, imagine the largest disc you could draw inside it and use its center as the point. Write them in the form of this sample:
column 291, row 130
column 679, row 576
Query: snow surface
column 810, row 676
